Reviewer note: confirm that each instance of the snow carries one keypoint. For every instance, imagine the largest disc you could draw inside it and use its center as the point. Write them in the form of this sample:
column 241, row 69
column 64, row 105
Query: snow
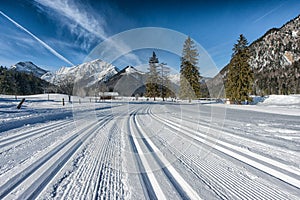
column 295, row 33
column 138, row 149
column 275, row 104
column 28, row 67
column 130, row 70
column 282, row 100
column 93, row 71
column 175, row 78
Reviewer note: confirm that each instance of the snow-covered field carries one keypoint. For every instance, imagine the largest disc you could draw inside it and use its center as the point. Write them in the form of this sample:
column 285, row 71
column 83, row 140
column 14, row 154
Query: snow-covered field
column 128, row 149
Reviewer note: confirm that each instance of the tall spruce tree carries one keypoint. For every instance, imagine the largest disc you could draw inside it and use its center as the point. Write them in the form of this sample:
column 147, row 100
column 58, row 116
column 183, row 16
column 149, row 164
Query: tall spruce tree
column 240, row 76
column 152, row 87
column 189, row 72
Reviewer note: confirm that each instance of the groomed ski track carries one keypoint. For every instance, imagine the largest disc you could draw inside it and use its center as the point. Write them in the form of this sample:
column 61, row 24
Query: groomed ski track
column 139, row 150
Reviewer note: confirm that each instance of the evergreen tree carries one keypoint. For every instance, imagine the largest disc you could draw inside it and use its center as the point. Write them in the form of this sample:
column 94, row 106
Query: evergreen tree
column 13, row 82
column 240, row 46
column 66, row 86
column 152, row 87
column 7, row 82
column 240, row 76
column 165, row 85
column 189, row 72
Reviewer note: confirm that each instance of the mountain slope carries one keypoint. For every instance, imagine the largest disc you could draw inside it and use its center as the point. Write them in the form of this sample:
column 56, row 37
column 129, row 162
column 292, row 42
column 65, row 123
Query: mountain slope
column 275, row 60
column 28, row 67
column 130, row 81
column 88, row 73
column 16, row 82
column 127, row 82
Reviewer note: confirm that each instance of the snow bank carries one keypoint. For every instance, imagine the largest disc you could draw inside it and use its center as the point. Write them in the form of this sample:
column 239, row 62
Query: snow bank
column 282, row 100
column 275, row 104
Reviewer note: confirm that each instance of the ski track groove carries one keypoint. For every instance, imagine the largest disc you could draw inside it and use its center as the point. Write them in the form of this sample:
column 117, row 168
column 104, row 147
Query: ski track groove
column 87, row 170
column 83, row 171
column 9, row 136
column 219, row 191
column 99, row 172
column 147, row 180
column 98, row 169
column 184, row 190
column 74, row 149
column 90, row 134
column 108, row 186
column 268, row 194
column 253, row 157
column 18, row 179
column 214, row 177
column 249, row 187
column 31, row 134
column 230, row 133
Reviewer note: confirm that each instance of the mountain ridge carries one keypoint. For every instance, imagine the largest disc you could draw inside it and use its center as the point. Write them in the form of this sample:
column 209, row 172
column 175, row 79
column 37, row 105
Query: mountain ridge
column 275, row 60
column 91, row 72
column 28, row 67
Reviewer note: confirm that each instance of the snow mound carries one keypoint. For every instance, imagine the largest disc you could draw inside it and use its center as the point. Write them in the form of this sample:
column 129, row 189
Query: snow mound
column 282, row 100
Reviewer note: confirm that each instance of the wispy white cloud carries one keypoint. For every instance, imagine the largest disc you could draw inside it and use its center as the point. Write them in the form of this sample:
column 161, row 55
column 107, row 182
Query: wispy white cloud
column 268, row 13
column 76, row 13
column 82, row 21
column 37, row 39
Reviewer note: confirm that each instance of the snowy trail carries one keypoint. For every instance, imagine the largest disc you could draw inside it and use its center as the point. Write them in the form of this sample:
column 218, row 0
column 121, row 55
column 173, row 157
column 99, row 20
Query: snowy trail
column 98, row 163
column 290, row 175
column 278, row 170
column 136, row 150
column 183, row 188
column 153, row 188
column 231, row 132
column 49, row 164
column 21, row 137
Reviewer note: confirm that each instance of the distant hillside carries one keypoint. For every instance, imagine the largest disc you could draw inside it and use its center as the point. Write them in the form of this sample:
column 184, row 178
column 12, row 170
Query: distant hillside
column 127, row 82
column 88, row 73
column 275, row 60
column 21, row 83
column 28, row 68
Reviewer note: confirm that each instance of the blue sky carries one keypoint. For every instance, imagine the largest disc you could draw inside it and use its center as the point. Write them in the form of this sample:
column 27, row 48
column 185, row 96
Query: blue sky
column 61, row 33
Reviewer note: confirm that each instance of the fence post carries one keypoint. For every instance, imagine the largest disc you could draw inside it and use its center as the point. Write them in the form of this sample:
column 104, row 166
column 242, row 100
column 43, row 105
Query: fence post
column 63, row 101
column 20, row 104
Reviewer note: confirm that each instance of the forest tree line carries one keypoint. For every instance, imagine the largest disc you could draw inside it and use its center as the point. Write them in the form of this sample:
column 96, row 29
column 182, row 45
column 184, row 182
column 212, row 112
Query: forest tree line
column 13, row 82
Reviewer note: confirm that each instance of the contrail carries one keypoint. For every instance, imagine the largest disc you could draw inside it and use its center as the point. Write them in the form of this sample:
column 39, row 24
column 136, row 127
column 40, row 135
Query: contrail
column 37, row 39
column 87, row 21
column 268, row 13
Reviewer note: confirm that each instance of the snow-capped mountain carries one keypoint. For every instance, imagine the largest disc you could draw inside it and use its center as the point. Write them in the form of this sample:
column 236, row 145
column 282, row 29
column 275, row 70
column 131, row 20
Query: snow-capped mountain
column 131, row 70
column 90, row 73
column 28, row 67
column 275, row 60
column 175, row 79
column 129, row 81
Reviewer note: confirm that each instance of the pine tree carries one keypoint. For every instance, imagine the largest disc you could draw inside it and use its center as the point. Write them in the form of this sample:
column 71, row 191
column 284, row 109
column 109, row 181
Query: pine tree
column 189, row 72
column 152, row 89
column 240, row 76
column 165, row 85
